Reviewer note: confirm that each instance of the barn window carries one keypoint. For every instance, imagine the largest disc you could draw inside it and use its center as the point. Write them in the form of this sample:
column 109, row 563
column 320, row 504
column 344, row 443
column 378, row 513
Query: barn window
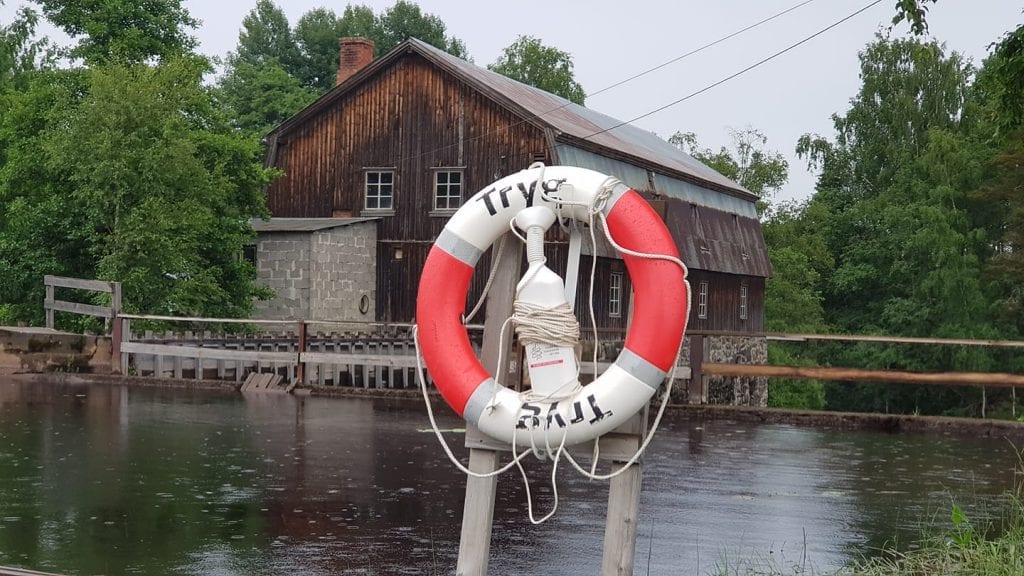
column 743, row 301
column 447, row 189
column 615, row 295
column 702, row 301
column 380, row 189
column 249, row 254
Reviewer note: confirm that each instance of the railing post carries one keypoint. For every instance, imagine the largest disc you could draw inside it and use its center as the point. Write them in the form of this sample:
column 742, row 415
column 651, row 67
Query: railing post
column 48, row 304
column 697, row 394
column 115, row 347
column 115, row 301
column 300, row 370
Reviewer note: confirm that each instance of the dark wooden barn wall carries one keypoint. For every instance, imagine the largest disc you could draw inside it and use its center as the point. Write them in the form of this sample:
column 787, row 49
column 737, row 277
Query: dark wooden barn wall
column 410, row 117
column 724, row 302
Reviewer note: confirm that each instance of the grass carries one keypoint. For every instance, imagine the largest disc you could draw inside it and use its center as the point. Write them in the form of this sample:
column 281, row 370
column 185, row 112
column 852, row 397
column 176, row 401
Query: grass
column 963, row 550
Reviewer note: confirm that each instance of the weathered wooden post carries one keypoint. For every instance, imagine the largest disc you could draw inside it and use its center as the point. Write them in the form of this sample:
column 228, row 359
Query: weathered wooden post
column 478, row 512
column 697, row 391
column 300, row 370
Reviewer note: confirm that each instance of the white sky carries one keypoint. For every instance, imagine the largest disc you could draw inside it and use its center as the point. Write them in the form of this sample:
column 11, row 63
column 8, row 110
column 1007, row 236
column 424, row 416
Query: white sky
column 611, row 40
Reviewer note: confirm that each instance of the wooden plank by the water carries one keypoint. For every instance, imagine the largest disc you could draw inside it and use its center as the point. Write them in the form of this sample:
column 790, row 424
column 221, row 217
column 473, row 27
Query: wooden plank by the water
column 7, row 571
column 79, row 308
column 990, row 379
column 265, row 382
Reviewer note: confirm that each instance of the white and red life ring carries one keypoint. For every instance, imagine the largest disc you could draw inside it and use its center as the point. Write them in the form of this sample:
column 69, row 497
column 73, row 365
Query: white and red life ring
column 659, row 318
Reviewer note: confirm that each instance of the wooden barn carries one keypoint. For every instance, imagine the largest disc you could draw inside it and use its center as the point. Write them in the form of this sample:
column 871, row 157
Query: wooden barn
column 405, row 138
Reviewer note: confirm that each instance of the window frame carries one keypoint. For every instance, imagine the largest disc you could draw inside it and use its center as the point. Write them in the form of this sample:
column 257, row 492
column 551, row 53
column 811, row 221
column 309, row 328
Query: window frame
column 744, row 300
column 702, row 299
column 367, row 172
column 615, row 285
column 449, row 170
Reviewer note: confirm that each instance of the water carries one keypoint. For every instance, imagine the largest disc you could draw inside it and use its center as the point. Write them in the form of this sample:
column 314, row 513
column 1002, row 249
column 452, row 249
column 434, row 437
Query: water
column 112, row 480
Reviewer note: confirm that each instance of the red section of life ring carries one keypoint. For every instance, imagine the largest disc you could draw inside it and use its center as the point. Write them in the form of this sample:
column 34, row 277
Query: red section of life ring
column 443, row 339
column 659, row 308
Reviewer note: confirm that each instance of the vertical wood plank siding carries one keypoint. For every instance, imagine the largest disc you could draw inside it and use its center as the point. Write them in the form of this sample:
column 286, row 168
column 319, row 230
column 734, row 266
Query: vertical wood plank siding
column 409, row 117
column 405, row 118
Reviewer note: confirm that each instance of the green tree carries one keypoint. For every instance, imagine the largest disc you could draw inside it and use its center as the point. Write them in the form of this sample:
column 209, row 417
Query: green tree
column 901, row 223
column 317, row 33
column 115, row 30
column 748, row 164
column 793, row 301
column 262, row 83
column 266, row 37
column 913, row 12
column 262, row 95
column 20, row 51
column 530, row 61
column 405, row 20
column 160, row 202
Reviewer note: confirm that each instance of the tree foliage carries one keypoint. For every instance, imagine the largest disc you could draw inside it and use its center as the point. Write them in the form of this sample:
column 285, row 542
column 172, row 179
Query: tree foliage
column 160, row 203
column 914, row 203
column 748, row 164
column 130, row 32
column 20, row 51
column 530, row 61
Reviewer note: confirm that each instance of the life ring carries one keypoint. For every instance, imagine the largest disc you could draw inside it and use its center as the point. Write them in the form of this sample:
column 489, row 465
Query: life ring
column 660, row 310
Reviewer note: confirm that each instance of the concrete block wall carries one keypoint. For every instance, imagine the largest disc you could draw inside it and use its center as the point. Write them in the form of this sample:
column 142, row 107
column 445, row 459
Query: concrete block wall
column 282, row 263
column 343, row 268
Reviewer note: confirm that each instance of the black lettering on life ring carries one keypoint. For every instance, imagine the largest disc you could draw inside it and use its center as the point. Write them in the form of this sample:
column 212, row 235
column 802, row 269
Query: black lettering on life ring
column 533, row 417
column 598, row 413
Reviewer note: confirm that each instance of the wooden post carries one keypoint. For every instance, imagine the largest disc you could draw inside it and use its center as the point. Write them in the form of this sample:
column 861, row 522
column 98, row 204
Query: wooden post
column 116, row 362
column 49, row 305
column 696, row 393
column 624, row 505
column 300, row 372
column 478, row 512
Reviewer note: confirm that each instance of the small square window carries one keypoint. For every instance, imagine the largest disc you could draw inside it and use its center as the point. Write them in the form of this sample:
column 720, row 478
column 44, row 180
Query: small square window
column 249, row 254
column 702, row 301
column 615, row 295
column 447, row 189
column 743, row 301
column 380, row 190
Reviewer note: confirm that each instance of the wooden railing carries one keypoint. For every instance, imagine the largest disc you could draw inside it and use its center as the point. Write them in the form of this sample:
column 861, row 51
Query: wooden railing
column 52, row 305
column 372, row 355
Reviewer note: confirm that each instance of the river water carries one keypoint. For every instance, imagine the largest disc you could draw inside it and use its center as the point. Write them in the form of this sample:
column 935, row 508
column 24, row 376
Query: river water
column 99, row 479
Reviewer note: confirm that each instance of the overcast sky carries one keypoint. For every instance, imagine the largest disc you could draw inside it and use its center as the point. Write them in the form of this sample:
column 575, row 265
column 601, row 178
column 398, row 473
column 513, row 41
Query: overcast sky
column 611, row 40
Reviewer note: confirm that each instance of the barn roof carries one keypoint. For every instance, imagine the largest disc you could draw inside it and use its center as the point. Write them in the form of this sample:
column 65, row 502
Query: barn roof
column 580, row 127
column 303, row 224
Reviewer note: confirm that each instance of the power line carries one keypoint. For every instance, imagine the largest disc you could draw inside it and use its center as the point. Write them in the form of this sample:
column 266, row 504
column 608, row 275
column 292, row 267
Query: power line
column 734, row 75
column 701, row 49
column 617, row 84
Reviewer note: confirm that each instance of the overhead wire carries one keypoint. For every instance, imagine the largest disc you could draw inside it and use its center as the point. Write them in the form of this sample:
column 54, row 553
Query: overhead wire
column 736, row 74
column 609, row 87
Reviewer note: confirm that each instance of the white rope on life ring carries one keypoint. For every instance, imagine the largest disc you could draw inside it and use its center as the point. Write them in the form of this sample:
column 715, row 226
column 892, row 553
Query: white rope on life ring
column 661, row 308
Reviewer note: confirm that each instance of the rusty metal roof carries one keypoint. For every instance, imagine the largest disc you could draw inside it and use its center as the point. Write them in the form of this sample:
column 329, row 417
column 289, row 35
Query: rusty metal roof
column 580, row 124
column 572, row 123
column 303, row 224
column 710, row 239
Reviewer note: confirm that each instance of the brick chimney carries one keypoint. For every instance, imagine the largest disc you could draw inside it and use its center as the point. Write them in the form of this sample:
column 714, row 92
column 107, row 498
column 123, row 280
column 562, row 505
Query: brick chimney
column 356, row 53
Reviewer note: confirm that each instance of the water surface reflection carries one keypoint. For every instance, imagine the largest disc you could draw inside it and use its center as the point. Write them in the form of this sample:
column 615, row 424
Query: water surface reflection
column 111, row 480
